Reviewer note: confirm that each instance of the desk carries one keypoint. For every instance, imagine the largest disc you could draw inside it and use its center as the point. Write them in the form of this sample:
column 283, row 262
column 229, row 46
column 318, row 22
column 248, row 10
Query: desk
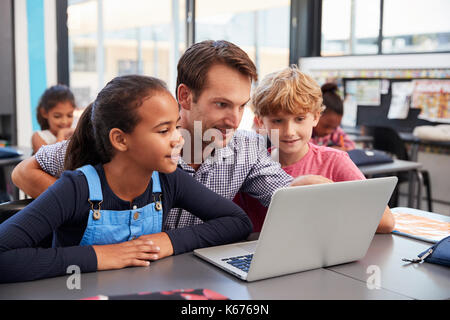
column 352, row 130
column 416, row 142
column 367, row 141
column 412, row 280
column 398, row 166
column 398, row 280
column 355, row 134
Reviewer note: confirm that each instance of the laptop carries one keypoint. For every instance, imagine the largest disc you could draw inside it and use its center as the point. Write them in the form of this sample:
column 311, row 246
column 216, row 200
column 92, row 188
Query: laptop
column 308, row 227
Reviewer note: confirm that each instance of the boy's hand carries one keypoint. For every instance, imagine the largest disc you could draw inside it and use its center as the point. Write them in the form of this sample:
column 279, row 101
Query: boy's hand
column 309, row 179
column 162, row 241
column 134, row 253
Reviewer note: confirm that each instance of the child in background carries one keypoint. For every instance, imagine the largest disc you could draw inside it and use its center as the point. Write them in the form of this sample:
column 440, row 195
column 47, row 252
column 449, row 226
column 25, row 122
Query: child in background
column 290, row 102
column 109, row 213
column 55, row 116
column 328, row 131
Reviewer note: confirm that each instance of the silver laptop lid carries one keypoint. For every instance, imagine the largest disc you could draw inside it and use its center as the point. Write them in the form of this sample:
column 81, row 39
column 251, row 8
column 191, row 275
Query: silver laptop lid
column 316, row 226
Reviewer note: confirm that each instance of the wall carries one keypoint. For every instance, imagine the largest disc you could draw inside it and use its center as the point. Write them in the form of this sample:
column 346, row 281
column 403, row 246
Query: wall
column 7, row 95
column 387, row 61
column 35, row 60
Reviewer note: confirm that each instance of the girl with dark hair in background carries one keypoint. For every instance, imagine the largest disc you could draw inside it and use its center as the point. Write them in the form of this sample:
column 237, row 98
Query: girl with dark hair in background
column 328, row 131
column 55, row 116
column 109, row 213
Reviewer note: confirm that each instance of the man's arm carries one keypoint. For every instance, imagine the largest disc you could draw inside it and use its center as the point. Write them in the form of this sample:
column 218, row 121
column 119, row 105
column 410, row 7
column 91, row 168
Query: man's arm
column 30, row 178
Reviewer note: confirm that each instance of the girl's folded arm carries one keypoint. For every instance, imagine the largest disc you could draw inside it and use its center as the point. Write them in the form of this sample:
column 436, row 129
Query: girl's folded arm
column 224, row 221
column 21, row 259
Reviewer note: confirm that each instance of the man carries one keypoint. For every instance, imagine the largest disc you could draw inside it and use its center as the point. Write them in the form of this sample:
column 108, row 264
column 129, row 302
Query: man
column 213, row 87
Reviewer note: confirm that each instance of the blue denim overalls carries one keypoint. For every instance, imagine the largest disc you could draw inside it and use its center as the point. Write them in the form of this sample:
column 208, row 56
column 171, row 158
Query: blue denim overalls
column 111, row 226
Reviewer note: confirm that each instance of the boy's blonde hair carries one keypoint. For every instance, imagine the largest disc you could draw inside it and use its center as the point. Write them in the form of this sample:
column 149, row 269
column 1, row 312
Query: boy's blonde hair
column 288, row 90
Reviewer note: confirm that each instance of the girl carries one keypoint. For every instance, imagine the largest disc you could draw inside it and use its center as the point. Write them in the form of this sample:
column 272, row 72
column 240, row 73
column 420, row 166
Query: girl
column 55, row 116
column 108, row 214
column 328, row 131
column 290, row 103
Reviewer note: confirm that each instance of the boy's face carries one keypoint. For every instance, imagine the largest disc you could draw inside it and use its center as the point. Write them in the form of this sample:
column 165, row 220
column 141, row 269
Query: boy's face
column 219, row 106
column 294, row 131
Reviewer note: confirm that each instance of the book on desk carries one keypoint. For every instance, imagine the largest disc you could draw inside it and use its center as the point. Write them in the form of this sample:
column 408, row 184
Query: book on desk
column 7, row 152
column 415, row 226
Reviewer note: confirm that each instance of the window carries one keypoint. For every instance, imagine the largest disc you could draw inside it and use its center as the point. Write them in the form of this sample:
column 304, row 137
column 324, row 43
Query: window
column 128, row 67
column 352, row 27
column 416, row 26
column 108, row 39
column 260, row 28
column 84, row 59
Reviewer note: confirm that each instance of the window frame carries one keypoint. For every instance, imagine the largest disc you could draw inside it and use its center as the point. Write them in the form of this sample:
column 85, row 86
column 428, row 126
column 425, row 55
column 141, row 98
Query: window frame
column 379, row 44
column 304, row 33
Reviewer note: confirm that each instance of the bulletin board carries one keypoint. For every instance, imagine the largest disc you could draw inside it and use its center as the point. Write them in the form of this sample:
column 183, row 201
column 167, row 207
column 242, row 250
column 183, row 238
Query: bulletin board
column 428, row 103
column 379, row 96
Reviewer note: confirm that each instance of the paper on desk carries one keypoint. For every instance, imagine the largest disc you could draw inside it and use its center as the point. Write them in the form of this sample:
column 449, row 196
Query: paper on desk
column 418, row 227
column 401, row 95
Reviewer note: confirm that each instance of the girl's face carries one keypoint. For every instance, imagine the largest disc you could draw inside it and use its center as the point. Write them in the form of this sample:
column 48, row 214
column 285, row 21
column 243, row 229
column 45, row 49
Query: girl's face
column 294, row 131
column 59, row 117
column 155, row 143
column 328, row 122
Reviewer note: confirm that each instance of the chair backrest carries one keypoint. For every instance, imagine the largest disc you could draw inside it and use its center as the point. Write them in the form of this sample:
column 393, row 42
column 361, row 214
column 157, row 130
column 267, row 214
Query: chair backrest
column 388, row 139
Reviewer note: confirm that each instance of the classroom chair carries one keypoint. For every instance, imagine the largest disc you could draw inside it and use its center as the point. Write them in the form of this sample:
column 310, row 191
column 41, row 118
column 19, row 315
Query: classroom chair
column 388, row 139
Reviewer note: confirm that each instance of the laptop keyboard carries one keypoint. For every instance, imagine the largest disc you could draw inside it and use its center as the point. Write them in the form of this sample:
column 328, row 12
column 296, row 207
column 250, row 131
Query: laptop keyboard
column 240, row 262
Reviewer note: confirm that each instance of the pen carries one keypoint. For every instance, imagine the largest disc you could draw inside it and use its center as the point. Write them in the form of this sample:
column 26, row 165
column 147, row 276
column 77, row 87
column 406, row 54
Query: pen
column 342, row 141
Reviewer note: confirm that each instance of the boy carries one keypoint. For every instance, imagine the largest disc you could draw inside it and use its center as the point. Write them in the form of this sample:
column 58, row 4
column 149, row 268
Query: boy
column 289, row 103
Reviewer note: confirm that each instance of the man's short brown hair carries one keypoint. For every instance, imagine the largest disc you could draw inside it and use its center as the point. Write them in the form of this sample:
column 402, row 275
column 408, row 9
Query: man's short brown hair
column 194, row 64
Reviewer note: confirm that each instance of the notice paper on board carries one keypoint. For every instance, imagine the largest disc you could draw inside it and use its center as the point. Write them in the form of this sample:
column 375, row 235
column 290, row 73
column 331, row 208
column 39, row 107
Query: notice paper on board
column 366, row 92
column 432, row 97
column 401, row 95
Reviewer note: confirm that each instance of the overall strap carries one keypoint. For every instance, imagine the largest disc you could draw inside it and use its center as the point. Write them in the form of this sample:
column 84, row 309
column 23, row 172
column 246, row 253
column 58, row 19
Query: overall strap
column 156, row 185
column 95, row 187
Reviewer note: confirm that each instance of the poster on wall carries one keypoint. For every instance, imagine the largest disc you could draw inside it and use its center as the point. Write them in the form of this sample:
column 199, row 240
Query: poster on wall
column 366, row 92
column 401, row 95
column 432, row 97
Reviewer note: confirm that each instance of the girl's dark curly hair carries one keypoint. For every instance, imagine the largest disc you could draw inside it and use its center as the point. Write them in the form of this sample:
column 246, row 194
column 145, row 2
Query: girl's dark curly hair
column 331, row 98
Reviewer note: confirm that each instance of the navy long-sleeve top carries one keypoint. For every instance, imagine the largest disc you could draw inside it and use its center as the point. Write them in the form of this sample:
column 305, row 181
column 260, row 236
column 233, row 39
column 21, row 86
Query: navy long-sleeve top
column 64, row 210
